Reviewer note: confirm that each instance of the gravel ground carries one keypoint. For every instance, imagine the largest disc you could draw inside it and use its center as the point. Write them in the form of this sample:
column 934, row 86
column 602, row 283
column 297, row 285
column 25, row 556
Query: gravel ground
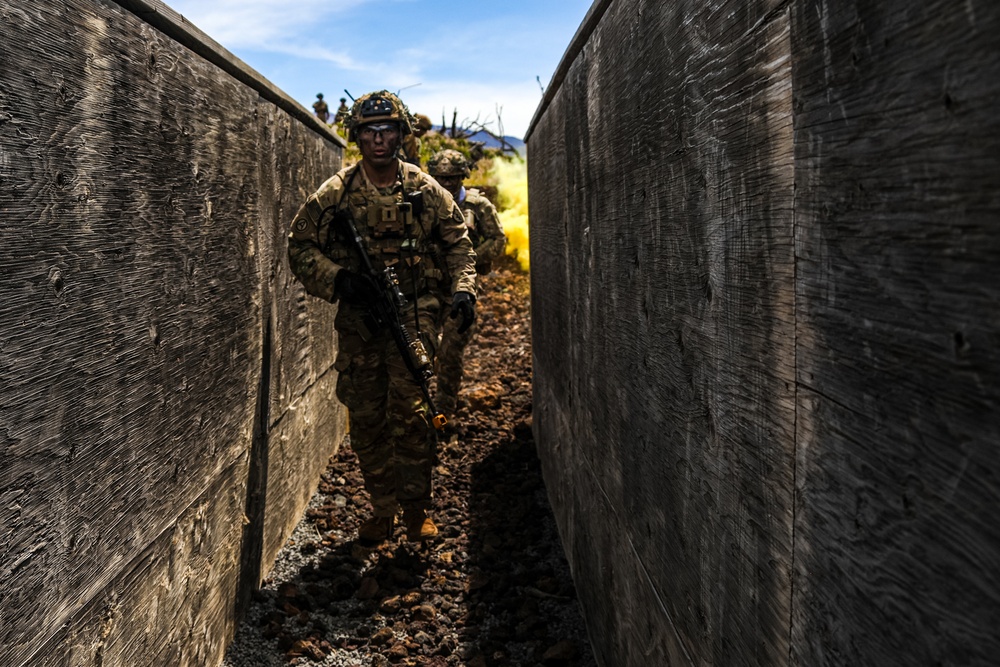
column 493, row 590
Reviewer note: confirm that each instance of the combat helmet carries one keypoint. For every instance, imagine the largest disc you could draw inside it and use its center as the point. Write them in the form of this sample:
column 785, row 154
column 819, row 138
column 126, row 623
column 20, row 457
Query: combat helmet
column 378, row 107
column 422, row 122
column 448, row 162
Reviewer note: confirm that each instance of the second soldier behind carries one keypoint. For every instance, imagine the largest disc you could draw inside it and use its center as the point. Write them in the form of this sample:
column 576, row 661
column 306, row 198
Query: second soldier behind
column 450, row 168
column 411, row 142
column 409, row 222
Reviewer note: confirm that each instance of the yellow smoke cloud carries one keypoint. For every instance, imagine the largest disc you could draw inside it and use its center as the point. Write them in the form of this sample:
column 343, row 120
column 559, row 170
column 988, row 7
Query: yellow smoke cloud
column 512, row 188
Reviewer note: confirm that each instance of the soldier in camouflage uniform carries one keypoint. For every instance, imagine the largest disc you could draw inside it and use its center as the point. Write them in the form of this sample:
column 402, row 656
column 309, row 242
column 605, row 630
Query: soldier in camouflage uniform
column 342, row 112
column 409, row 222
column 411, row 142
column 321, row 109
column 450, row 168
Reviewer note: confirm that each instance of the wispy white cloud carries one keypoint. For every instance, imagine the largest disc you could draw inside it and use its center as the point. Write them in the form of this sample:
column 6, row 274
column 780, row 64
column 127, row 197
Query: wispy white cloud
column 461, row 57
column 298, row 29
column 317, row 52
column 516, row 102
column 260, row 24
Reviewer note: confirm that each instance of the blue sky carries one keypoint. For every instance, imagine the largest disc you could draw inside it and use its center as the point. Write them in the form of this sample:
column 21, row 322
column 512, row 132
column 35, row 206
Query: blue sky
column 475, row 57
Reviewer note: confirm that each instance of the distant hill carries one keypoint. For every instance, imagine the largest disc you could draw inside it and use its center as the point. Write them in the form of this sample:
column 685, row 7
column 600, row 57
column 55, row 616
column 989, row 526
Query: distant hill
column 490, row 142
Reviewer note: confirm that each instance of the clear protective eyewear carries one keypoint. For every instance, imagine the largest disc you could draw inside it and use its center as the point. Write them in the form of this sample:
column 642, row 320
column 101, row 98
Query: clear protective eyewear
column 385, row 129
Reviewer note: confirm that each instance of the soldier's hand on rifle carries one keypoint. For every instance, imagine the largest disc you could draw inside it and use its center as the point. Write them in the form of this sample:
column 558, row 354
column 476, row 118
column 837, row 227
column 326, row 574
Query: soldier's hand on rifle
column 463, row 304
column 355, row 288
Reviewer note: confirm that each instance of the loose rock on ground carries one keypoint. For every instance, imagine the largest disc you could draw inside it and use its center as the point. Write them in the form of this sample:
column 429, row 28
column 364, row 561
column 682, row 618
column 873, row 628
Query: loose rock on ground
column 493, row 590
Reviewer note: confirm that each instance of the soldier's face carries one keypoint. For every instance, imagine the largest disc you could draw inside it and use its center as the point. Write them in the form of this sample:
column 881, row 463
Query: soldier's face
column 378, row 143
column 452, row 184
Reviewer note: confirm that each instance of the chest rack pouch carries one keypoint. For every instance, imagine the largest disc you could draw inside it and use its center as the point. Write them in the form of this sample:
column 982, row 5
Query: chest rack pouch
column 388, row 218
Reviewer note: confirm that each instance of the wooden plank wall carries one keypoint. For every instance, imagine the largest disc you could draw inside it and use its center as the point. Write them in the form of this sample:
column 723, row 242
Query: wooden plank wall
column 661, row 190
column 897, row 151
column 764, row 304
column 165, row 387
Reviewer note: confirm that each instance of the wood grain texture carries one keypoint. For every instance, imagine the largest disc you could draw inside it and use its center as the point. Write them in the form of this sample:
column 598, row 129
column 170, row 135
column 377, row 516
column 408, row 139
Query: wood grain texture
column 144, row 194
column 897, row 207
column 305, row 421
column 696, row 325
column 174, row 26
column 661, row 199
column 188, row 574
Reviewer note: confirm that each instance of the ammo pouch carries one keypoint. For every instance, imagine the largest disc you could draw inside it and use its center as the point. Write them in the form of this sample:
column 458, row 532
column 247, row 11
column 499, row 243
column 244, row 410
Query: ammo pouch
column 388, row 218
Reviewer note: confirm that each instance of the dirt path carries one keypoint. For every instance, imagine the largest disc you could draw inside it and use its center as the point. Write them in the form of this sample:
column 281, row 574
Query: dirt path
column 493, row 591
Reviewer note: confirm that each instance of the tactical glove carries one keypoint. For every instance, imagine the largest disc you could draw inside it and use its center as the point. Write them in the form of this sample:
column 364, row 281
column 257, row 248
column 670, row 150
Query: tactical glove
column 463, row 304
column 355, row 288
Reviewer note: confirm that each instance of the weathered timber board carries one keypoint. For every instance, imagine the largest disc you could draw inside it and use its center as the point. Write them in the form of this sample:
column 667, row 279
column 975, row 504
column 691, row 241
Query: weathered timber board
column 189, row 573
column 296, row 162
column 628, row 623
column 118, row 414
column 305, row 420
column 894, row 393
column 662, row 259
column 897, row 554
column 141, row 225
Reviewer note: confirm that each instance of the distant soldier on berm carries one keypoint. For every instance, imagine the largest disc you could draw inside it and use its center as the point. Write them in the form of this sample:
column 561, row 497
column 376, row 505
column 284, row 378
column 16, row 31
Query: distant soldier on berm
column 343, row 111
column 321, row 109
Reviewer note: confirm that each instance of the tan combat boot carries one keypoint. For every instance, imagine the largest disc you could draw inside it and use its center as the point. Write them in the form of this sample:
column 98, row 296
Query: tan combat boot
column 376, row 529
column 419, row 526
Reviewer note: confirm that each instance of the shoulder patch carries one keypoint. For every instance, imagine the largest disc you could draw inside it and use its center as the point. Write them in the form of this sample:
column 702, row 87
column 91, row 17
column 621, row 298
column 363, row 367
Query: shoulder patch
column 313, row 208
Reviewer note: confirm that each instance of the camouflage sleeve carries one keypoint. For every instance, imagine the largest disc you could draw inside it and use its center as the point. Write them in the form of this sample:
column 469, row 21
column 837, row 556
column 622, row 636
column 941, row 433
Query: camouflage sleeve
column 454, row 236
column 488, row 225
column 308, row 233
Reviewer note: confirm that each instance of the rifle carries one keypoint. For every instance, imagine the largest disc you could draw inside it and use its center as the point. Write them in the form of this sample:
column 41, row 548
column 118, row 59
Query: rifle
column 384, row 313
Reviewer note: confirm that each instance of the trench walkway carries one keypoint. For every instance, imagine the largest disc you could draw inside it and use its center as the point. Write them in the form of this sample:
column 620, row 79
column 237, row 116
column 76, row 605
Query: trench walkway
column 494, row 590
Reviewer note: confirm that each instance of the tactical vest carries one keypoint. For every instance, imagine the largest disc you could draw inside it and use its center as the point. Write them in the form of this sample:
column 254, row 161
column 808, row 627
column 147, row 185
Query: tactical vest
column 468, row 206
column 396, row 231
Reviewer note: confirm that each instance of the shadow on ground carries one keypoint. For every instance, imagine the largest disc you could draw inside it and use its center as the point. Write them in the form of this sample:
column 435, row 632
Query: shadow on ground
column 493, row 591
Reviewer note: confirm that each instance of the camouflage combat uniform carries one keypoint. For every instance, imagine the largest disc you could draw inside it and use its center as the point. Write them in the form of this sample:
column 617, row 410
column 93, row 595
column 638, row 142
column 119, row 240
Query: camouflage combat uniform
column 410, row 150
column 321, row 109
column 342, row 112
column 433, row 256
column 411, row 142
column 489, row 242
